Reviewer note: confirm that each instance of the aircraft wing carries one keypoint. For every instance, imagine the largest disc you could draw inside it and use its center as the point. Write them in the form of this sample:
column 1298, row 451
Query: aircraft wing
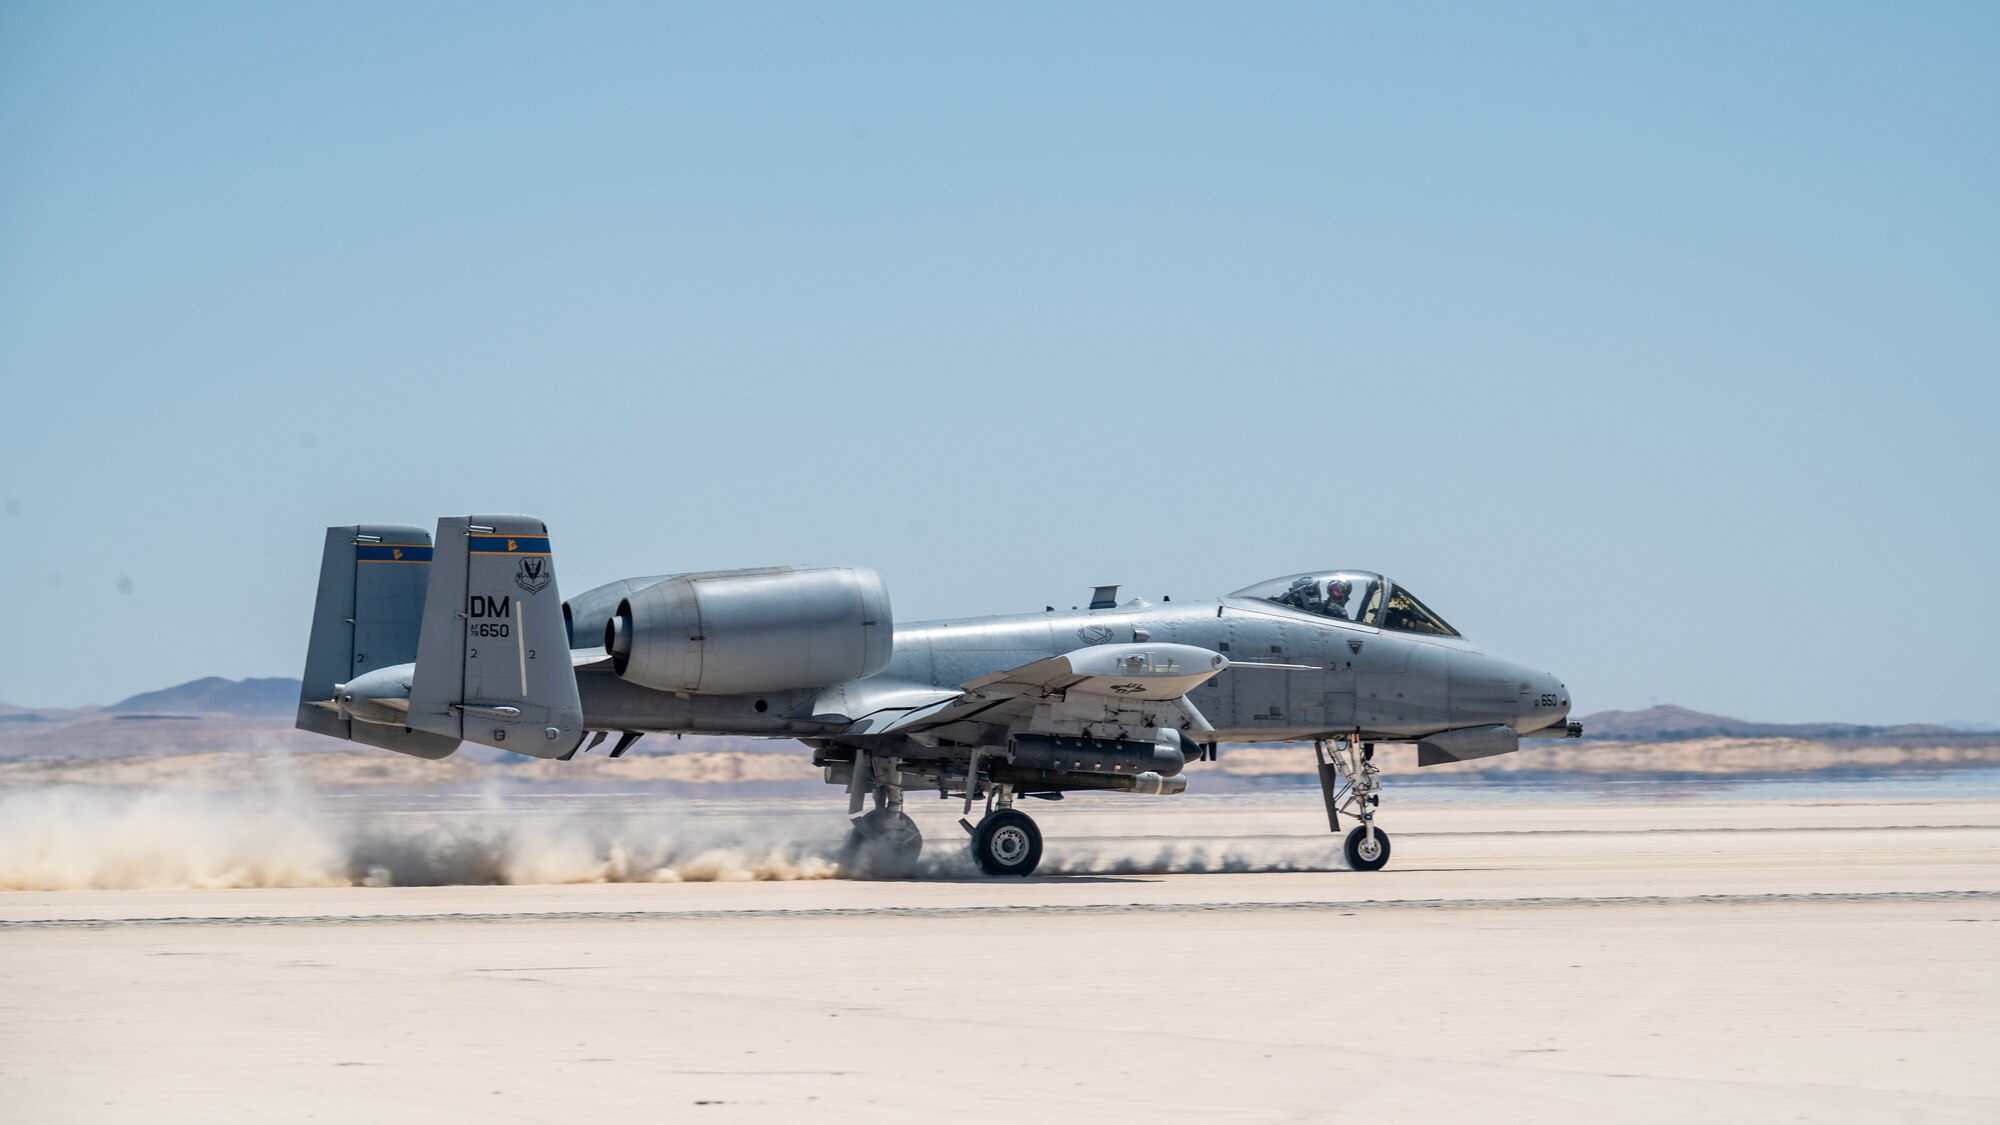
column 1129, row 686
column 879, row 707
column 1129, row 671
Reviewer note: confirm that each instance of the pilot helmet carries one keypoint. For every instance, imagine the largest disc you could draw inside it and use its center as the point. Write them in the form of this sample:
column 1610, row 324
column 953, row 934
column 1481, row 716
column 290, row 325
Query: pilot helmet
column 1337, row 590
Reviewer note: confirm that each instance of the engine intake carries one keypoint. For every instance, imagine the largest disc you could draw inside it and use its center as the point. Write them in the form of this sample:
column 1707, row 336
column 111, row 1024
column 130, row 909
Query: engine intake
column 736, row 631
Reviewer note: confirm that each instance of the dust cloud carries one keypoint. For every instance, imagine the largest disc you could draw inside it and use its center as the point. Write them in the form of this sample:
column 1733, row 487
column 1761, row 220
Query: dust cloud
column 85, row 839
column 1187, row 858
column 946, row 857
column 288, row 835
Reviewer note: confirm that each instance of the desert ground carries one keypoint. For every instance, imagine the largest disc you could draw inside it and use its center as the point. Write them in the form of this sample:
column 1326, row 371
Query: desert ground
column 1684, row 952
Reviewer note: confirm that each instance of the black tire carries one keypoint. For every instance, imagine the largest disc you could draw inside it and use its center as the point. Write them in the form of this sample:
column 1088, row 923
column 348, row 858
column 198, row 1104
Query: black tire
column 882, row 845
column 1357, row 844
column 1007, row 843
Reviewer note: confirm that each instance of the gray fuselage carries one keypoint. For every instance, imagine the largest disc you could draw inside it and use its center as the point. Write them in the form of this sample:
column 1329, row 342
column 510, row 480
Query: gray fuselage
column 1357, row 679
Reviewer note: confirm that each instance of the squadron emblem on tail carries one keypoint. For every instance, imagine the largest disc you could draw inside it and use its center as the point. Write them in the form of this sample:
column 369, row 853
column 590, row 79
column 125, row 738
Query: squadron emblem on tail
column 534, row 574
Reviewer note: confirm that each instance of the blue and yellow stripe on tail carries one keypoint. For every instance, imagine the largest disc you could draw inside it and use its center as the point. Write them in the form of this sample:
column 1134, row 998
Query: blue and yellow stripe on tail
column 509, row 544
column 392, row 552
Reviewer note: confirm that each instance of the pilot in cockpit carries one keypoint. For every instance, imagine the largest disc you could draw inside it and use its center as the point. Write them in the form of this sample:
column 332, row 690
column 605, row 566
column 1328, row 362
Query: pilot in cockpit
column 1304, row 594
column 1337, row 593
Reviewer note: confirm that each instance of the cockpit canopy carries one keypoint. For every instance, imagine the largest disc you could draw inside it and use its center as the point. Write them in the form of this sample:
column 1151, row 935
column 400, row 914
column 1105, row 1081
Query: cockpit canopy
column 1351, row 595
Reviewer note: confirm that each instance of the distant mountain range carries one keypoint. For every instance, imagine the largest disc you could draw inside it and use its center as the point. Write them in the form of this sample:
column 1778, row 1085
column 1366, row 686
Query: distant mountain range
column 1670, row 724
column 278, row 697
column 272, row 696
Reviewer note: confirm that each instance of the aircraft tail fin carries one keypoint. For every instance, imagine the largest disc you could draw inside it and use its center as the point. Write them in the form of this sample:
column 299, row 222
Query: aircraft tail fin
column 493, row 663
column 370, row 604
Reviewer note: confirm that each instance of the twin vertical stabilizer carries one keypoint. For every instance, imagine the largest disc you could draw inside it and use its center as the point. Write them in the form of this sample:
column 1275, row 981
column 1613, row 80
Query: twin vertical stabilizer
column 371, row 599
column 418, row 644
column 493, row 654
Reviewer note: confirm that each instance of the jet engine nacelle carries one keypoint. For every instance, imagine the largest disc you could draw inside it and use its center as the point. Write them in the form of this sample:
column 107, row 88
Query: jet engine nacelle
column 587, row 615
column 737, row 631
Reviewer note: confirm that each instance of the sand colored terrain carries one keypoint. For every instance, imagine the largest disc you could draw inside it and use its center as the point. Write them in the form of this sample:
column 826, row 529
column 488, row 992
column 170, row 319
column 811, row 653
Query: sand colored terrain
column 1649, row 960
column 1719, row 756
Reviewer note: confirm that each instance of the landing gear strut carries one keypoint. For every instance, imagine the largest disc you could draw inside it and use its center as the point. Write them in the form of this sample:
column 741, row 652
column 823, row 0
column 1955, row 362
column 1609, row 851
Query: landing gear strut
column 1349, row 782
column 884, row 843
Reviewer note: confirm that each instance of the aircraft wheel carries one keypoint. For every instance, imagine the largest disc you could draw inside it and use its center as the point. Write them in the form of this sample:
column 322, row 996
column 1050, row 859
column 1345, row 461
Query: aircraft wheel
column 882, row 845
column 1362, row 855
column 1007, row 843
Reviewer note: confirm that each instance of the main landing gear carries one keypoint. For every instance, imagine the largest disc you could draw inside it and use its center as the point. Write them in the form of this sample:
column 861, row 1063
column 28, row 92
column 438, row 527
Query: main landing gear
column 884, row 843
column 1349, row 783
column 1007, row 843
column 1006, row 840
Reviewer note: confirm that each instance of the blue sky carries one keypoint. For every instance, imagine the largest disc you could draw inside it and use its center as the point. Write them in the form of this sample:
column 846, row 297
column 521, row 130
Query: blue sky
column 1654, row 345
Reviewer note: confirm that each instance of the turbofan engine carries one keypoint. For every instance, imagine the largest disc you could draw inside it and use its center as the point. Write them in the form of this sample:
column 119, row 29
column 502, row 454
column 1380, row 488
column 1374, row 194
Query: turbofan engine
column 736, row 631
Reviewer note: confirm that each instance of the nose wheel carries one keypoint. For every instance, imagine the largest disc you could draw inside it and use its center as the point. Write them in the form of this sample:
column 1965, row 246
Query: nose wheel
column 1367, row 849
column 1007, row 843
column 1350, row 783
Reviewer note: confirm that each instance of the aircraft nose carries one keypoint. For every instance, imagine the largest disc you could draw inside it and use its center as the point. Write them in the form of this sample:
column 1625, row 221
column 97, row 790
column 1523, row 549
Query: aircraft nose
column 1547, row 702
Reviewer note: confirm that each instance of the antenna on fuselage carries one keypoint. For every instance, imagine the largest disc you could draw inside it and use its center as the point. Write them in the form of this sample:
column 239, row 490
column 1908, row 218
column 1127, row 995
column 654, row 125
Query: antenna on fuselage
column 1104, row 597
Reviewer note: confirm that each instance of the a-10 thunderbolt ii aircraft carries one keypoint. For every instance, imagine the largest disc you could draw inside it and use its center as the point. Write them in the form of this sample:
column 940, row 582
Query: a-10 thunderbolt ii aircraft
column 420, row 643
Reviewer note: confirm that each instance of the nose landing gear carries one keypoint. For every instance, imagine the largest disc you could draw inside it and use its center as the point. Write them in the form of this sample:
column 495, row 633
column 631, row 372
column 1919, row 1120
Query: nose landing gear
column 1349, row 782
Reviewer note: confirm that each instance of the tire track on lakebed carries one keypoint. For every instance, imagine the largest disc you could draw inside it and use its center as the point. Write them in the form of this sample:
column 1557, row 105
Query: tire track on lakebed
column 1313, row 905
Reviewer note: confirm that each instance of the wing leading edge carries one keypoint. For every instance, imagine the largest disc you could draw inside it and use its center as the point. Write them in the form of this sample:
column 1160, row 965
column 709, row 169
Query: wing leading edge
column 1126, row 686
